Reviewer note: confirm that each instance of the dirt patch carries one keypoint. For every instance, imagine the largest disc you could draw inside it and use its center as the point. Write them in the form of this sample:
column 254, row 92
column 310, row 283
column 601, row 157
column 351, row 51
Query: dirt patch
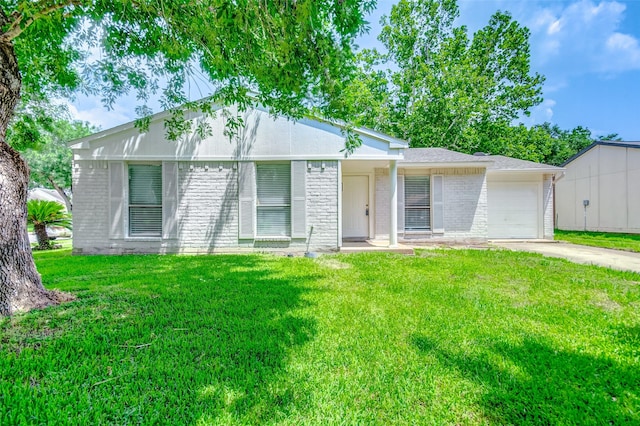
column 602, row 301
column 332, row 263
column 62, row 297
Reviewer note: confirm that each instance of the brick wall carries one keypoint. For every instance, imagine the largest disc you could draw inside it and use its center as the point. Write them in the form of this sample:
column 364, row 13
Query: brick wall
column 465, row 204
column 207, row 204
column 207, row 211
column 90, row 206
column 322, row 204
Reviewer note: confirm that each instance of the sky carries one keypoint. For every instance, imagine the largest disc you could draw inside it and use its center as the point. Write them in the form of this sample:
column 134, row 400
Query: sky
column 589, row 52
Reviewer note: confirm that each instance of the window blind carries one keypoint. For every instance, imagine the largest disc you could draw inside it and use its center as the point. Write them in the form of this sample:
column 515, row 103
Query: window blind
column 417, row 203
column 273, row 187
column 145, row 200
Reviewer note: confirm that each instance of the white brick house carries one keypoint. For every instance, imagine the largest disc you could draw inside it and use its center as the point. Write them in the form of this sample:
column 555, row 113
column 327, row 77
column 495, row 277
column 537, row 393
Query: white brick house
column 278, row 180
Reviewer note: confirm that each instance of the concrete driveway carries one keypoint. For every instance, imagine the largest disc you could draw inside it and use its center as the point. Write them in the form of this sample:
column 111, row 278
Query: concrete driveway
column 614, row 259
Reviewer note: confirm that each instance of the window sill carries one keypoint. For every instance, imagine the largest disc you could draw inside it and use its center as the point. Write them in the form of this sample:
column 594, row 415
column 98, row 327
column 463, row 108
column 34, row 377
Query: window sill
column 273, row 239
column 142, row 238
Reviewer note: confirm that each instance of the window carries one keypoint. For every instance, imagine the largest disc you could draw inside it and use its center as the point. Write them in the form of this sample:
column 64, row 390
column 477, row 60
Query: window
column 273, row 183
column 417, row 203
column 145, row 200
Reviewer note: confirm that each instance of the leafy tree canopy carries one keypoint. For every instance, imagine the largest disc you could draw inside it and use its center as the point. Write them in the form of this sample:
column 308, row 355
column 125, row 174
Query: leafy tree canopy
column 437, row 86
column 50, row 158
column 291, row 53
column 440, row 84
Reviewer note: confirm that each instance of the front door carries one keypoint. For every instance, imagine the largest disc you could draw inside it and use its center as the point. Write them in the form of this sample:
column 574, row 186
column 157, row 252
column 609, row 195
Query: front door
column 355, row 207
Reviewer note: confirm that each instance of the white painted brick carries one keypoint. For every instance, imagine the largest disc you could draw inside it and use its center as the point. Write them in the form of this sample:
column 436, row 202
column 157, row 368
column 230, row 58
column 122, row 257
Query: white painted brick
column 207, row 211
column 322, row 204
column 91, row 209
column 465, row 205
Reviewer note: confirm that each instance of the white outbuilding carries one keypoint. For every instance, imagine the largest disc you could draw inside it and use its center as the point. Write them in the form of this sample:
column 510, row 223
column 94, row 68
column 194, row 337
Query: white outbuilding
column 600, row 190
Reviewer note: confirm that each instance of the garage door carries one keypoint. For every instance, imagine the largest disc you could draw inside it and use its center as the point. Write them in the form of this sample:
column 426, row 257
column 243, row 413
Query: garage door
column 514, row 209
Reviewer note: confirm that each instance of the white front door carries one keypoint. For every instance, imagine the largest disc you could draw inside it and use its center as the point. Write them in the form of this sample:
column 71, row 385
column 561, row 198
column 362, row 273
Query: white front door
column 355, row 207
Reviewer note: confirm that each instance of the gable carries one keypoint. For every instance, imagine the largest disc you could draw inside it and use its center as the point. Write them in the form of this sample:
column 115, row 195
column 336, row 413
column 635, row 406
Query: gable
column 263, row 137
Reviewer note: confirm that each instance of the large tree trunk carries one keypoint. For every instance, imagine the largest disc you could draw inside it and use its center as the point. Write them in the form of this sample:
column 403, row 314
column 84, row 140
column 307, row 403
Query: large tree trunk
column 21, row 288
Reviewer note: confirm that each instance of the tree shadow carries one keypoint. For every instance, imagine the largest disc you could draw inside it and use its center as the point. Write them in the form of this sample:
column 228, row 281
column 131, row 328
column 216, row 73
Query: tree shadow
column 209, row 216
column 166, row 339
column 534, row 383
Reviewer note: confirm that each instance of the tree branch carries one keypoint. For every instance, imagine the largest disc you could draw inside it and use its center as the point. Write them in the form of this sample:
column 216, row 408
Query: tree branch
column 60, row 192
column 19, row 24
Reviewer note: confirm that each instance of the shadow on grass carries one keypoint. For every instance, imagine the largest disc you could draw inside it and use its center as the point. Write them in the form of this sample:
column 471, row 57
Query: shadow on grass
column 533, row 383
column 158, row 339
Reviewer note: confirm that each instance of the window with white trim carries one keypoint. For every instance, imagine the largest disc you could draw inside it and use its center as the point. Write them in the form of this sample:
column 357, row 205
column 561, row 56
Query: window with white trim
column 417, row 203
column 273, row 206
column 145, row 200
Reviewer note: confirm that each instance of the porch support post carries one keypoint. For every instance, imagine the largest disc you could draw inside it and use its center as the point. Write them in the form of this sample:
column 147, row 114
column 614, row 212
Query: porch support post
column 393, row 203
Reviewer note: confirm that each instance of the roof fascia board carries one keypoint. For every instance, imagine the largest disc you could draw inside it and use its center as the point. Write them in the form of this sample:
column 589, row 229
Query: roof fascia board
column 80, row 157
column 601, row 143
column 432, row 164
column 527, row 171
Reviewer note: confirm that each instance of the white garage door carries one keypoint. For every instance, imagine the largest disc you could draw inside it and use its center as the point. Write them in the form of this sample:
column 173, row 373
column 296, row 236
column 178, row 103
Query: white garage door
column 514, row 209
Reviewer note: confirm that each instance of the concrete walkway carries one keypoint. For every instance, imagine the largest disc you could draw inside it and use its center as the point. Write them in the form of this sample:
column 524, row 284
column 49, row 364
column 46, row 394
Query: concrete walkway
column 614, row 259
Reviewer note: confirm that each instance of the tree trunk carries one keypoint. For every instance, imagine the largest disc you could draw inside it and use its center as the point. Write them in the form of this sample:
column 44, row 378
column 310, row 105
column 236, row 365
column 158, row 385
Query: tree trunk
column 21, row 287
column 42, row 236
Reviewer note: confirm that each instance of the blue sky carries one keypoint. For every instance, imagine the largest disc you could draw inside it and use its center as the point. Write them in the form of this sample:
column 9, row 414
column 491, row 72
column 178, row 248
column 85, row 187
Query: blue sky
column 589, row 52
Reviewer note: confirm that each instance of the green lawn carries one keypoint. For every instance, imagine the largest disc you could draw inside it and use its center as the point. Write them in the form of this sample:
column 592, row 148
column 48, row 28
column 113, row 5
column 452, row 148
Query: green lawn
column 445, row 337
column 627, row 242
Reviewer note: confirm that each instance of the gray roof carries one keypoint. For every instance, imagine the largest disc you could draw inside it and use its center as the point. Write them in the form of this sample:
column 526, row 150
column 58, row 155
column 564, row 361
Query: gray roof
column 439, row 155
column 622, row 144
column 492, row 162
column 500, row 162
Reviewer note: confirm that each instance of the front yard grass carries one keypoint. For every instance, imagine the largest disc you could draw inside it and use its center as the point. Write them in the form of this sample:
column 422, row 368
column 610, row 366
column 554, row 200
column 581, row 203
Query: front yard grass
column 627, row 242
column 444, row 337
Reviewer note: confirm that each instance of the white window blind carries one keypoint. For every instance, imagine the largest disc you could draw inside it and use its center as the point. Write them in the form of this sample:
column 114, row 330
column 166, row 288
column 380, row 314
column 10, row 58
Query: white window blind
column 273, row 185
column 145, row 200
column 417, row 203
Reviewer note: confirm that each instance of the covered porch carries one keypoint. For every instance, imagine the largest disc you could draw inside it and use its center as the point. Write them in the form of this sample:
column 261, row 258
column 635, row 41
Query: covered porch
column 366, row 219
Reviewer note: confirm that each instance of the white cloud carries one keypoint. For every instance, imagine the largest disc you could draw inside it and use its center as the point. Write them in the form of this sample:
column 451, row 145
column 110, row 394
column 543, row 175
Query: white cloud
column 623, row 51
column 92, row 110
column 540, row 113
column 542, row 19
column 555, row 27
column 582, row 36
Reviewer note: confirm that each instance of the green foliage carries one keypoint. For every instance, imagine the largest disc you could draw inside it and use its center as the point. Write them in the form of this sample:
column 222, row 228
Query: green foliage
column 545, row 143
column 435, row 86
column 445, row 337
column 50, row 163
column 42, row 212
column 445, row 85
column 287, row 52
column 617, row 241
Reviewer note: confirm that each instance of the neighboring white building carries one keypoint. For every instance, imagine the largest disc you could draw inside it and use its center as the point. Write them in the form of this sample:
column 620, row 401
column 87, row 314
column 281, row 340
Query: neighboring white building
column 267, row 188
column 46, row 195
column 600, row 190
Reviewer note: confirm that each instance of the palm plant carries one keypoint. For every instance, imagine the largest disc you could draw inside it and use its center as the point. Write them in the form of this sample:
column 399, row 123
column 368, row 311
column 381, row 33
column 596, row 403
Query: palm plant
column 43, row 213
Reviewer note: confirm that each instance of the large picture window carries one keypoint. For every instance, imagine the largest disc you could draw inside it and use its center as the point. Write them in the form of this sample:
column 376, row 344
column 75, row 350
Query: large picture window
column 145, row 200
column 417, row 203
column 273, row 183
